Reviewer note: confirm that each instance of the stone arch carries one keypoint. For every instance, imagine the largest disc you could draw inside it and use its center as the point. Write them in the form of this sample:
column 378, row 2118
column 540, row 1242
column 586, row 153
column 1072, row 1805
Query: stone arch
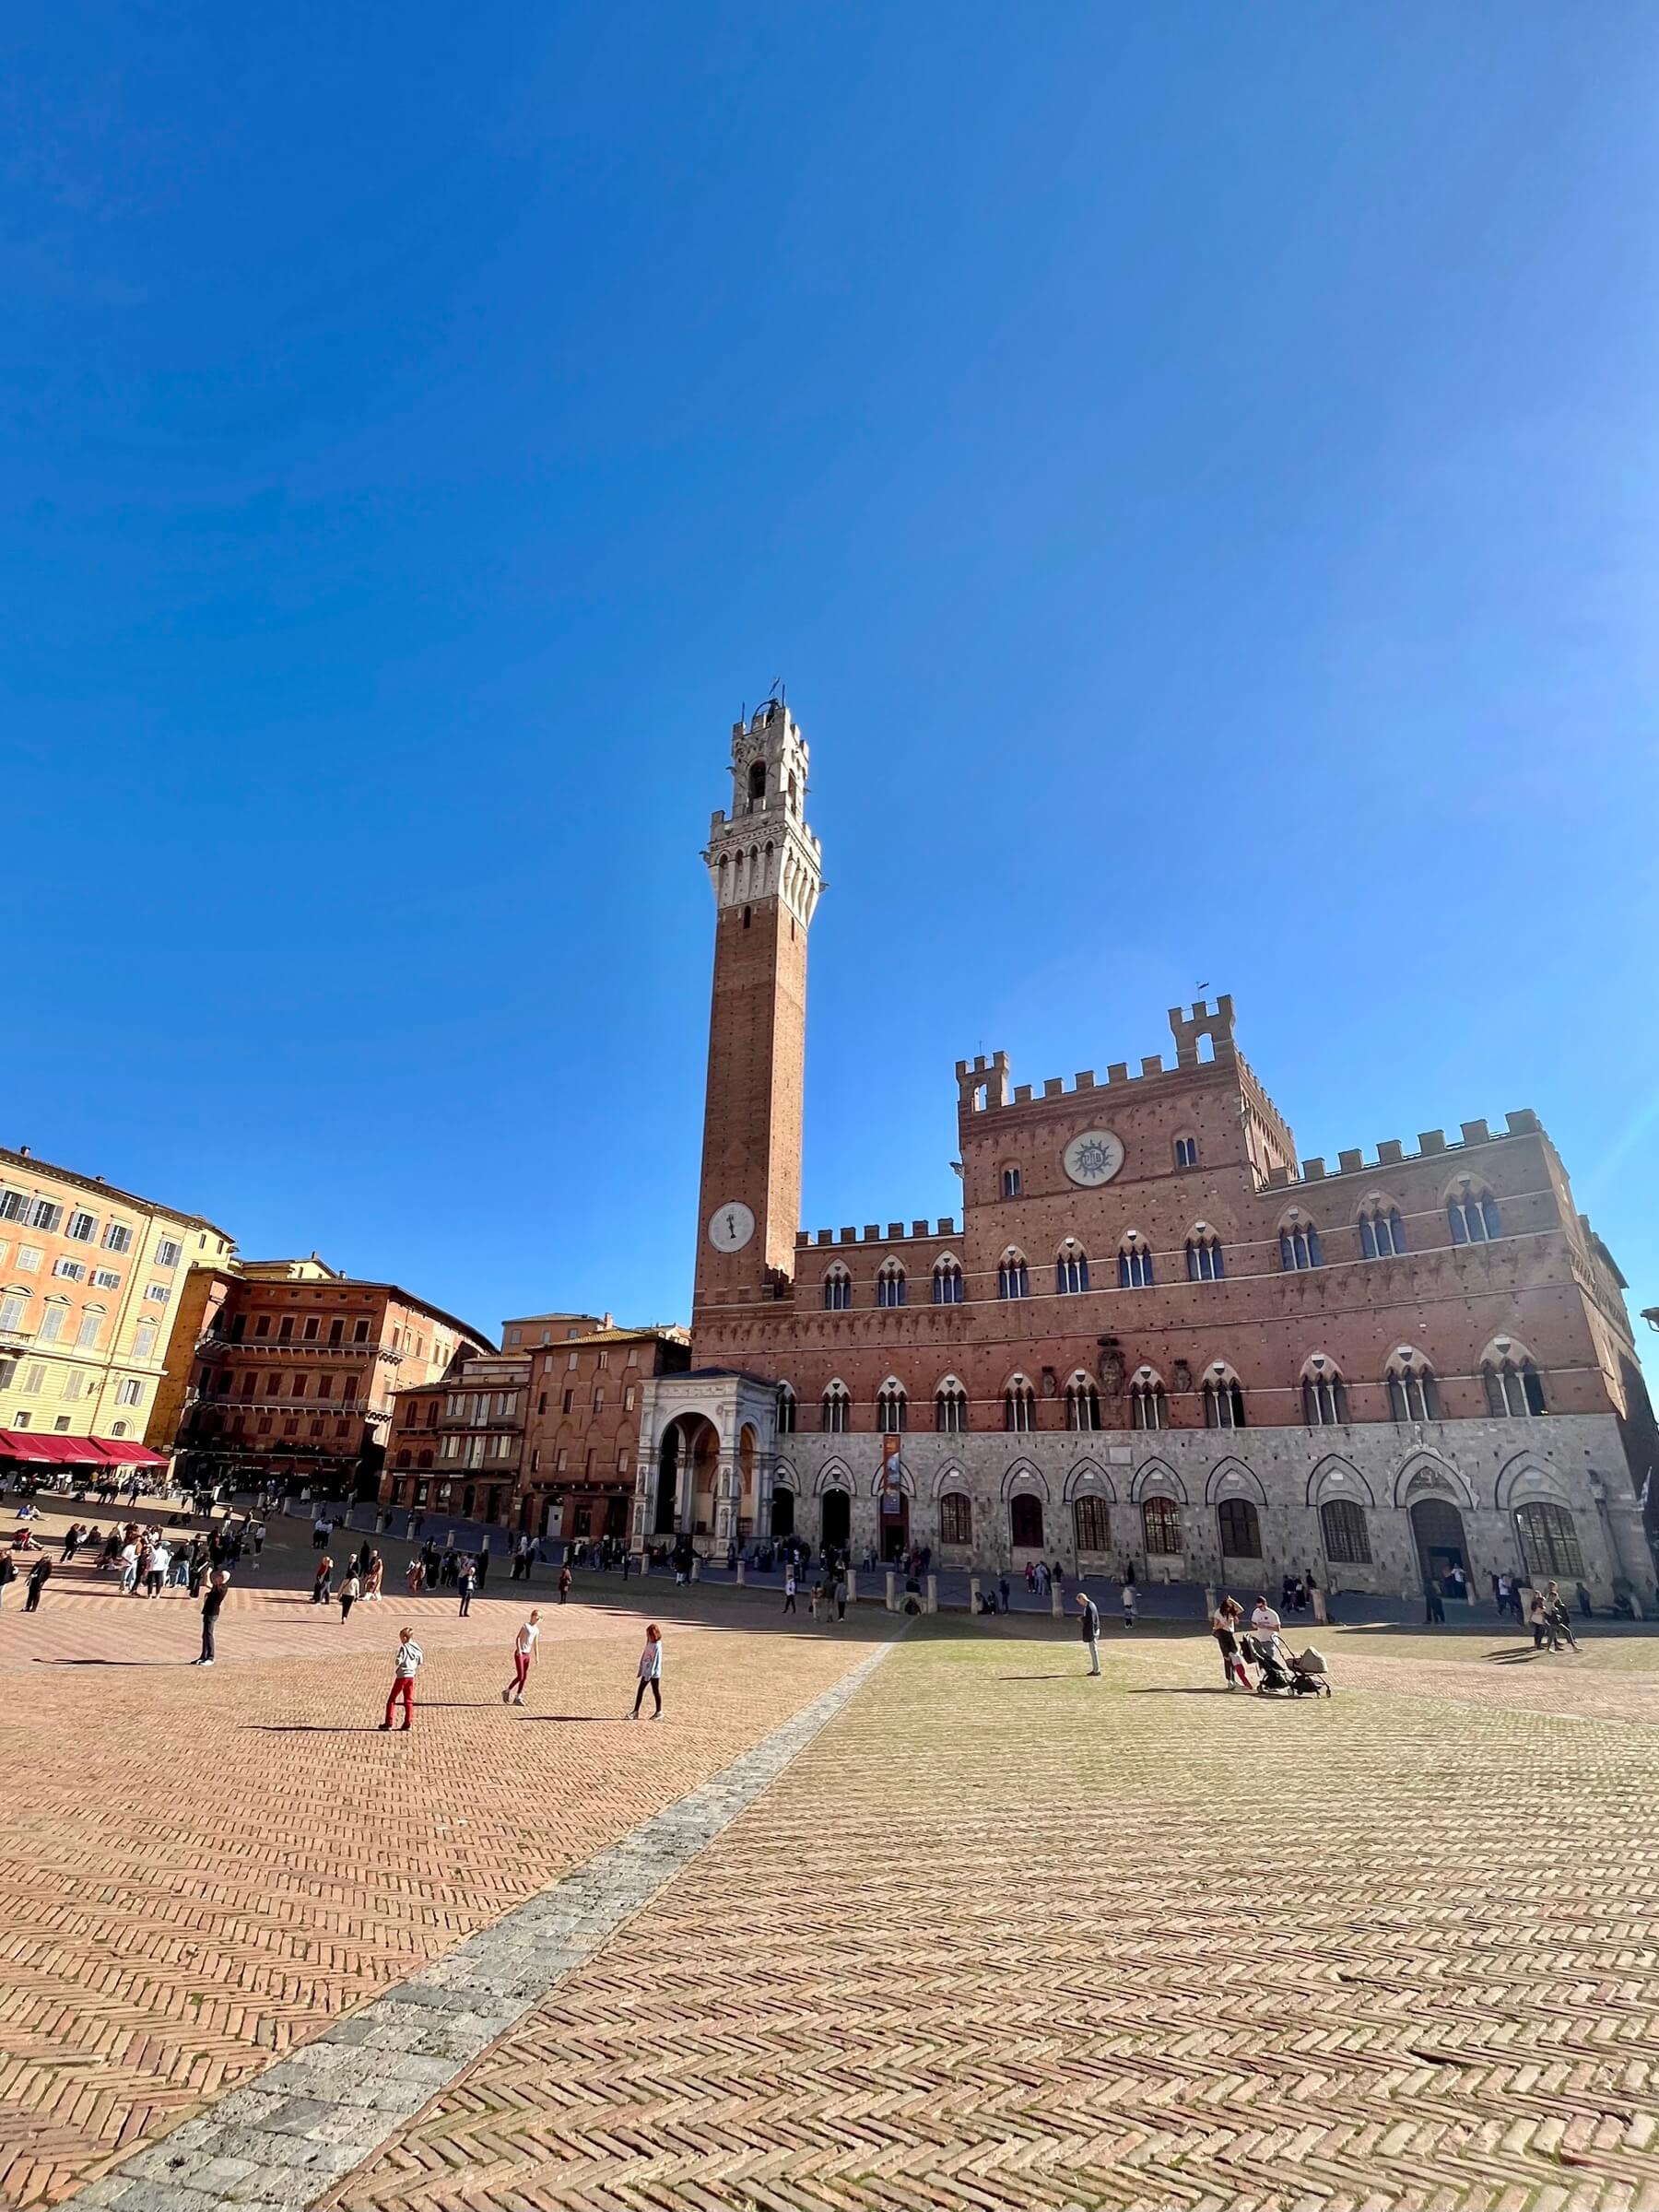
column 1023, row 1476
column 1376, row 1201
column 1424, row 1474
column 905, row 1483
column 951, row 1477
column 1229, row 1477
column 786, row 1479
column 1503, row 1348
column 834, row 1475
column 1158, row 1478
column 1337, row 1478
column 1087, row 1479
column 1526, row 1479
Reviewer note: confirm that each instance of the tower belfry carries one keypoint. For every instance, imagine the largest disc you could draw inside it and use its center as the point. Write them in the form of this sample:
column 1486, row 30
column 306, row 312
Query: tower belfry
column 764, row 865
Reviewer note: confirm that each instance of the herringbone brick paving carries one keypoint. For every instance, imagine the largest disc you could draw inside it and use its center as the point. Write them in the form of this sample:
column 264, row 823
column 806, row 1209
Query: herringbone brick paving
column 1007, row 1937
column 198, row 1871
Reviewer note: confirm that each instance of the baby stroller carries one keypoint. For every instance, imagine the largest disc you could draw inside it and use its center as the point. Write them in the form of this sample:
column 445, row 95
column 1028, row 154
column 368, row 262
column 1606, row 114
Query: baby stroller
column 1265, row 1654
column 1308, row 1675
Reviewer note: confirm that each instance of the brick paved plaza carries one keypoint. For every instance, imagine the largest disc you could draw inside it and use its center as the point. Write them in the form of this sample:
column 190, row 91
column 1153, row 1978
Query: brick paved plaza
column 995, row 1936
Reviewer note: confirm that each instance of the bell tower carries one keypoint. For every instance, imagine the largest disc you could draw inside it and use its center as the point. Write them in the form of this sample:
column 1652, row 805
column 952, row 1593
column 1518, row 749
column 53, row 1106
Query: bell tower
column 763, row 862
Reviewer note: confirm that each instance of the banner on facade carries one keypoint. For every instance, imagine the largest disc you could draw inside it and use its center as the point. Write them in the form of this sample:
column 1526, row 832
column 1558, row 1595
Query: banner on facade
column 892, row 1477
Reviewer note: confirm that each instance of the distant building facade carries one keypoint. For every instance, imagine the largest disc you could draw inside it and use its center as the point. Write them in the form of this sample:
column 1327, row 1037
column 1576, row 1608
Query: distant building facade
column 540, row 1437
column 1155, row 1338
column 90, row 1283
column 293, row 1371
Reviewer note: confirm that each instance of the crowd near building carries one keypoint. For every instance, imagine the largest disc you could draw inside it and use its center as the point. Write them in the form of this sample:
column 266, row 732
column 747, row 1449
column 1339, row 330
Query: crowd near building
column 1156, row 1338
column 1153, row 1338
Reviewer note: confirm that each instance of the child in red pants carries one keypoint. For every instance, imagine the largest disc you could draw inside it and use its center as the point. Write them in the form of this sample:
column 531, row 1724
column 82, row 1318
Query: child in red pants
column 404, row 1668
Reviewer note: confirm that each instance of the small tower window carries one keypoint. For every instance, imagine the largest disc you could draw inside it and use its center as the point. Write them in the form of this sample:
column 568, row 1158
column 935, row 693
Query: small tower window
column 1186, row 1151
column 1010, row 1182
column 757, row 782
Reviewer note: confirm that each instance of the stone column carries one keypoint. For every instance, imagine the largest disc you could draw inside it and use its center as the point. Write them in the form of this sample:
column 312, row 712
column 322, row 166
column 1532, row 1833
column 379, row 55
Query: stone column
column 852, row 1586
column 932, row 1594
column 973, row 1594
column 892, row 1590
column 1055, row 1596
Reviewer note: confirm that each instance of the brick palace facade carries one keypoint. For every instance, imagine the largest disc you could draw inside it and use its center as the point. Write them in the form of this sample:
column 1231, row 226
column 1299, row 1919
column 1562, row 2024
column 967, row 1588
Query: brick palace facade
column 1155, row 1336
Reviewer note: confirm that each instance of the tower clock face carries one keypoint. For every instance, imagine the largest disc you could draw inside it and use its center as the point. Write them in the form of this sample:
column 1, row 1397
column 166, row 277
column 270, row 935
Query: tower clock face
column 1093, row 1157
column 731, row 1226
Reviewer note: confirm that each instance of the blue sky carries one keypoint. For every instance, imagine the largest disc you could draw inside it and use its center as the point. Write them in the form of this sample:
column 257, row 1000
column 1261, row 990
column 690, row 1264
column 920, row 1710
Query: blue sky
column 1192, row 466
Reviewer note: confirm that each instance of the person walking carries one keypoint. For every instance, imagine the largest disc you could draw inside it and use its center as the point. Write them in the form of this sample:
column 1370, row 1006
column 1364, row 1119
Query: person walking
column 841, row 1593
column 404, row 1668
column 1092, row 1630
column 1002, row 1590
column 789, row 1590
column 129, row 1568
column 467, row 1577
column 324, row 1576
column 1129, row 1604
column 1224, row 1626
column 523, row 1650
column 155, row 1577
column 258, row 1534
column 564, row 1584
column 1434, row 1610
column 651, row 1672
column 1555, row 1604
column 211, row 1607
column 40, row 1574
column 1542, row 1627
column 417, row 1575
column 377, row 1575
column 351, row 1590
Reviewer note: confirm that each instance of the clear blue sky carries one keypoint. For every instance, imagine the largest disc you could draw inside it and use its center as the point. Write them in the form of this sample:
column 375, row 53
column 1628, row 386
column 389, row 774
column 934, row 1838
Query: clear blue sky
column 1194, row 465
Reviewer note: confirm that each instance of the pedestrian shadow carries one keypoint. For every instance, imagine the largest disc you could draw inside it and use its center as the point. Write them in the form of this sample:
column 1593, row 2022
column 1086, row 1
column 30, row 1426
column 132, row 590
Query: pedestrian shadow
column 1063, row 1673
column 316, row 1729
column 1185, row 1689
column 112, row 1662
column 565, row 1720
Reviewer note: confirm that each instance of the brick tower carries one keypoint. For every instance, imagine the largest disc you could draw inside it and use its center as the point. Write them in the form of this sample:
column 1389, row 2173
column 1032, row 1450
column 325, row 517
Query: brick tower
column 763, row 862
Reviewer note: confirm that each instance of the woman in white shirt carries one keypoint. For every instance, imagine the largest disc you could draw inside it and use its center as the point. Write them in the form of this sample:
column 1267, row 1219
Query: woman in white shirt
column 651, row 1672
column 350, row 1591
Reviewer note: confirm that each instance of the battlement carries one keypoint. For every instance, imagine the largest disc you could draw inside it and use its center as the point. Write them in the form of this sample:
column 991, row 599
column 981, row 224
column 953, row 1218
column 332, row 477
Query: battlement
column 1191, row 1029
column 872, row 1233
column 1391, row 1152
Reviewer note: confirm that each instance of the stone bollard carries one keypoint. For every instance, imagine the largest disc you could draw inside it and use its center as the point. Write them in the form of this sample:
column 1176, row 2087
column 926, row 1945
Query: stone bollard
column 852, row 1586
column 740, row 1574
column 932, row 1594
column 696, row 1567
column 382, row 1522
column 1056, row 1595
column 1210, row 1602
column 892, row 1590
column 973, row 1594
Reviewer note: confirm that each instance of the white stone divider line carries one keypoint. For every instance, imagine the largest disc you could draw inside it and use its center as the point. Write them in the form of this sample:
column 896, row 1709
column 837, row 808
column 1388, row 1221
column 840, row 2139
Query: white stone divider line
column 285, row 2139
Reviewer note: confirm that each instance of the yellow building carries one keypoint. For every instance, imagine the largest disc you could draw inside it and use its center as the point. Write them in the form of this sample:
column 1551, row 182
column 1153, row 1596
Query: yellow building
column 90, row 1280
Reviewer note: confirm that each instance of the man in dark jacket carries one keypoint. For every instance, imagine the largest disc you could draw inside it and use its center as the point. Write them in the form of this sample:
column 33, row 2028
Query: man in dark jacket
column 1092, row 1630
column 211, row 1613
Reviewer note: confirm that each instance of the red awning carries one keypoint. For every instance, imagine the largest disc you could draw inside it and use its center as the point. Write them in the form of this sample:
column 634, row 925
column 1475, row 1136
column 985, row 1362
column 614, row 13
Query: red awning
column 122, row 1453
column 62, row 1450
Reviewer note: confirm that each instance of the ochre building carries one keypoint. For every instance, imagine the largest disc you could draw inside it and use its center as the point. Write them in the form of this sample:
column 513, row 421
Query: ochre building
column 1156, row 1336
column 91, row 1279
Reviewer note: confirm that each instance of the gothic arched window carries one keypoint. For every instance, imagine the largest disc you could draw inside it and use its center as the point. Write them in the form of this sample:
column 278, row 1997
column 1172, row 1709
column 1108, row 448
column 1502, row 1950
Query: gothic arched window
column 892, row 1408
column 1010, row 1182
column 1148, row 1405
column 890, row 1287
column 1082, row 1403
column 1324, row 1395
column 1091, row 1524
column 1347, row 1538
column 1135, row 1262
column 838, row 1291
column 1298, row 1246
column 836, row 1409
column 1013, row 1276
column 756, row 781
column 1473, row 1217
column 1160, row 1524
column 950, row 1408
column 948, row 1283
column 787, row 1410
column 1240, row 1529
column 1550, row 1542
column 1382, row 1233
column 1020, row 1405
column 956, row 1518
column 1224, row 1403
column 1514, row 1390
column 1186, row 1151
column 1413, row 1392
column 1204, row 1258
column 1071, row 1269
